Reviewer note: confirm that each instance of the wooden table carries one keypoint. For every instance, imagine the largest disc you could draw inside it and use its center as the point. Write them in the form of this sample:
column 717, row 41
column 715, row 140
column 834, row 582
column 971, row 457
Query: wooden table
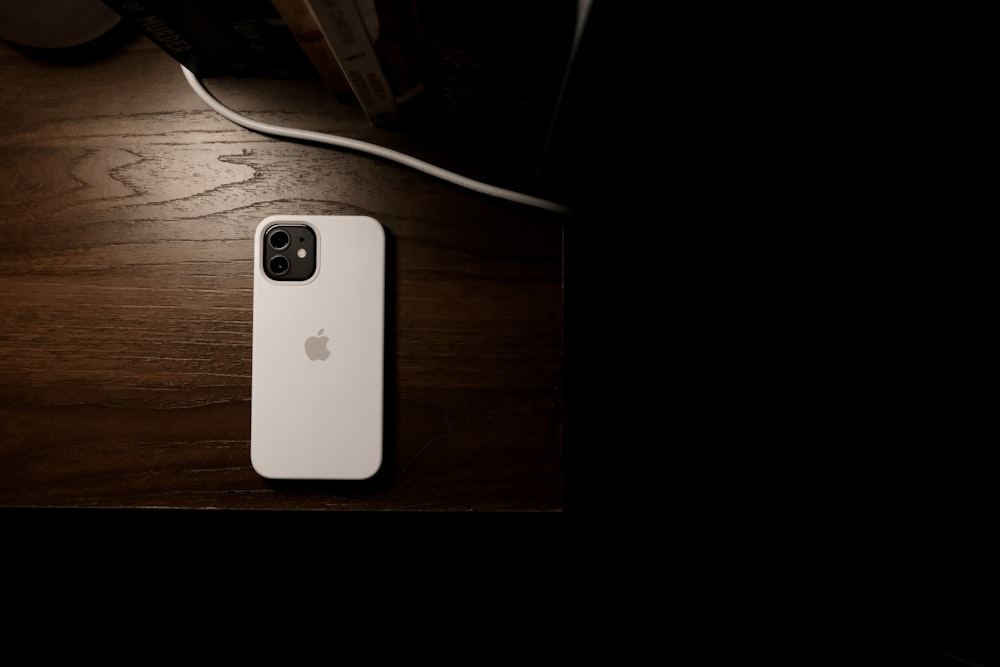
column 127, row 212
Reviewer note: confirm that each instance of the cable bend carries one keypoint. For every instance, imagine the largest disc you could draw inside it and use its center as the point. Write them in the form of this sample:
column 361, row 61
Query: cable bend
column 371, row 149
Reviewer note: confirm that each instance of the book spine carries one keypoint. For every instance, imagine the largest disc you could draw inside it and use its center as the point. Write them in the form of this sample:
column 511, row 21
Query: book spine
column 305, row 29
column 258, row 27
column 172, row 37
column 343, row 27
column 201, row 27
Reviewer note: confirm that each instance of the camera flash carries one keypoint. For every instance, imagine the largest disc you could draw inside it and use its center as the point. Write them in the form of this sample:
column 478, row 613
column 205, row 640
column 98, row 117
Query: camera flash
column 301, row 253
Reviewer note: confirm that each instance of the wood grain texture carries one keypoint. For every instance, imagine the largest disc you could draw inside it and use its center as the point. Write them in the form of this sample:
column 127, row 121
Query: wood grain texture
column 127, row 213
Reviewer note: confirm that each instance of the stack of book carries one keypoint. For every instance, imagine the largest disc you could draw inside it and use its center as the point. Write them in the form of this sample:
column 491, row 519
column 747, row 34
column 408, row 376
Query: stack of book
column 483, row 81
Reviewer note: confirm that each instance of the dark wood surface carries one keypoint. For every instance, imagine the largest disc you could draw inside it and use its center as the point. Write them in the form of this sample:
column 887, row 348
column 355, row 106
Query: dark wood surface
column 127, row 212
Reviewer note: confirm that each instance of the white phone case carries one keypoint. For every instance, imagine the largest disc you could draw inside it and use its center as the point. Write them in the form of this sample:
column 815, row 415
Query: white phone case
column 313, row 418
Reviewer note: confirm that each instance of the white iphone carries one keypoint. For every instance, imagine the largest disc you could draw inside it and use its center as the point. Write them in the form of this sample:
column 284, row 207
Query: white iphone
column 318, row 347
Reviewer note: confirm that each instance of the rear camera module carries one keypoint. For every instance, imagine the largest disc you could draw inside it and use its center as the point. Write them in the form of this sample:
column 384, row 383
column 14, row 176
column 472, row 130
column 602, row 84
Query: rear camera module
column 289, row 251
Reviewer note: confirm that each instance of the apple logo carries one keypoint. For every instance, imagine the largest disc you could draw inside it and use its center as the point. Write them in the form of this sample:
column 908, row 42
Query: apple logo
column 316, row 347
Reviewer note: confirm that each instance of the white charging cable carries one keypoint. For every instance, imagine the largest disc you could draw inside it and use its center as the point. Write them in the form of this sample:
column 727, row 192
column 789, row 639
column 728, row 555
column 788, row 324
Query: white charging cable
column 371, row 149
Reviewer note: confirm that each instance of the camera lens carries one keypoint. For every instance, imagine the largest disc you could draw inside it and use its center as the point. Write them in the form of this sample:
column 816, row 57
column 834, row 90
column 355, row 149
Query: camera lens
column 278, row 240
column 278, row 265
